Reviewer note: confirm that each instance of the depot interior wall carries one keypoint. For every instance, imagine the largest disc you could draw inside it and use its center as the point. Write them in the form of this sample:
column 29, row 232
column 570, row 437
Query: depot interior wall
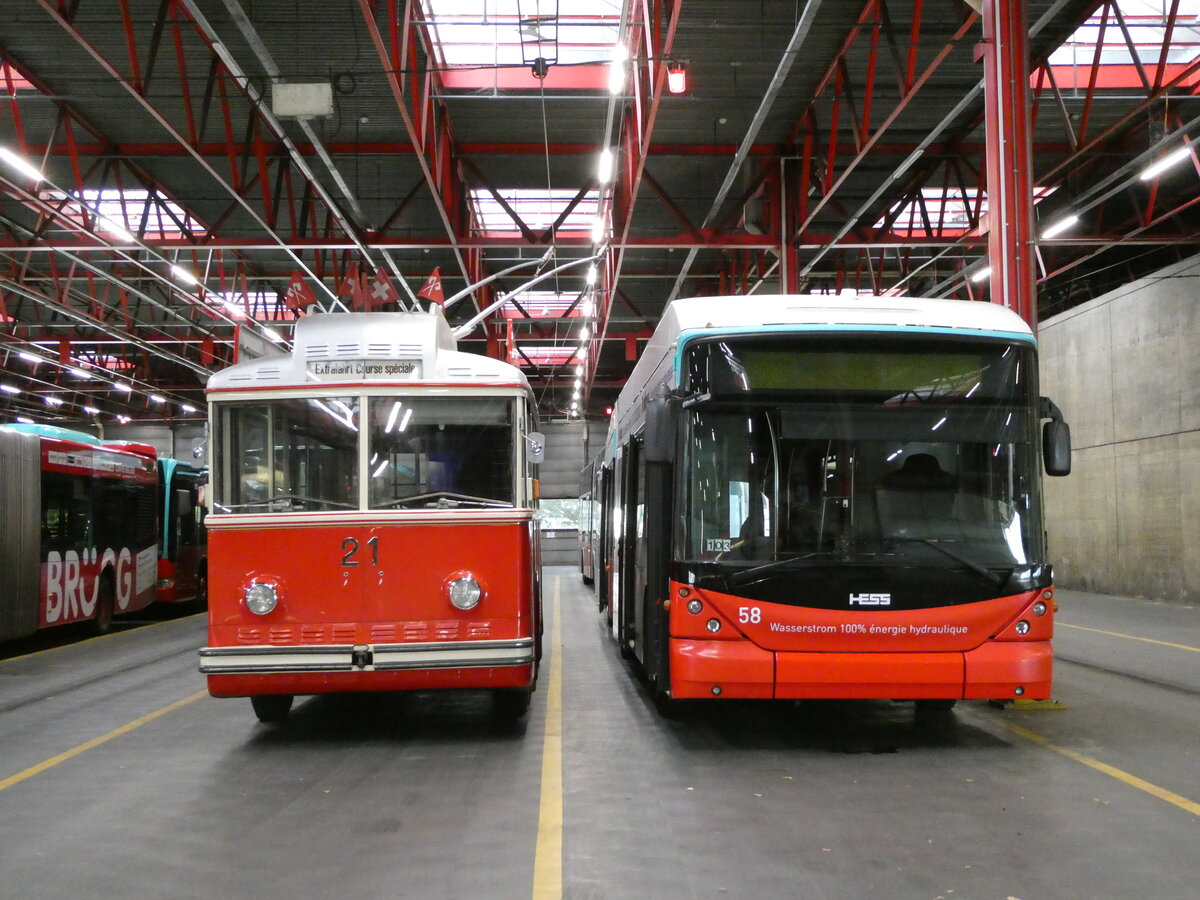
column 1125, row 370
column 570, row 444
column 177, row 440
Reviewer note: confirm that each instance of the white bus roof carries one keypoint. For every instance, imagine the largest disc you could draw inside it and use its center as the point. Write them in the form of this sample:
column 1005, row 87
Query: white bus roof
column 362, row 349
column 887, row 313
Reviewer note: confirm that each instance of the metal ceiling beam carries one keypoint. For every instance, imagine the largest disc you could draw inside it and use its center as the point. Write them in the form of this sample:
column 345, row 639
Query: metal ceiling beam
column 656, row 40
column 68, row 26
column 1009, row 161
column 782, row 69
column 435, row 153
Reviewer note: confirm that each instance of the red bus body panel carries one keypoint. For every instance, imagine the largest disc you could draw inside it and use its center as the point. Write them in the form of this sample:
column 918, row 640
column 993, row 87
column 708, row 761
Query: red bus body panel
column 70, row 581
column 771, row 650
column 364, row 596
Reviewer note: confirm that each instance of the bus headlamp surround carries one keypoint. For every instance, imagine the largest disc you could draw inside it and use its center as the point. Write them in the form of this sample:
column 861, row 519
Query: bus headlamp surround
column 465, row 592
column 261, row 598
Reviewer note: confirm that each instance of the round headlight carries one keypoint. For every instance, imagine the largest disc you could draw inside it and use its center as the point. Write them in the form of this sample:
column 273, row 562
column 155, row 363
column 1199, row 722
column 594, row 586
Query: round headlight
column 261, row 598
column 713, row 625
column 1039, row 608
column 465, row 593
column 1022, row 627
column 694, row 607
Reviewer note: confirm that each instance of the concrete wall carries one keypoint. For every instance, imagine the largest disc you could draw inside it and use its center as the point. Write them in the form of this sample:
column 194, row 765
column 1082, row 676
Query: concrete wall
column 1125, row 369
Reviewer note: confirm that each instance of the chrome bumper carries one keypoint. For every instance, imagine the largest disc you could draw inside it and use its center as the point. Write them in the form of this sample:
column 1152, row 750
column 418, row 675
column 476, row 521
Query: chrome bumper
column 269, row 659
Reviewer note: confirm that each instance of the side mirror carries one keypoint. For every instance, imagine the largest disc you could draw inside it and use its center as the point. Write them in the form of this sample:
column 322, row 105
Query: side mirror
column 537, row 446
column 662, row 417
column 1056, row 440
column 1056, row 448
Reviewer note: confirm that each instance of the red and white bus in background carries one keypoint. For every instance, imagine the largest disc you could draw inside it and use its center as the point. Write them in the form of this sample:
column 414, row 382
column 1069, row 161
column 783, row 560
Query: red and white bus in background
column 821, row 497
column 371, row 524
column 78, row 531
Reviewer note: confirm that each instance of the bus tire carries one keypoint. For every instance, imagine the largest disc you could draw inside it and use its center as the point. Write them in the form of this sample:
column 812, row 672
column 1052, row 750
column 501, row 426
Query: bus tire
column 105, row 601
column 510, row 704
column 271, row 708
column 935, row 706
column 200, row 604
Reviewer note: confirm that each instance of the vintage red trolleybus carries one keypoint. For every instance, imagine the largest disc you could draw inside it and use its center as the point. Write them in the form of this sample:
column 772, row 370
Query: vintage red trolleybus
column 821, row 497
column 372, row 519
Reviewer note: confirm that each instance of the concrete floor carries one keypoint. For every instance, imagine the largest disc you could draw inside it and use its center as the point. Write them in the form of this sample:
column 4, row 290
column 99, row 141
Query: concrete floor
column 430, row 797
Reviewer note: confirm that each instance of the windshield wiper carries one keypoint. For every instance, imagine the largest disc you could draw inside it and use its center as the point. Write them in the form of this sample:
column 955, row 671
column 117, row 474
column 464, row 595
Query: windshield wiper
column 967, row 563
column 300, row 498
column 747, row 575
column 293, row 497
column 447, row 500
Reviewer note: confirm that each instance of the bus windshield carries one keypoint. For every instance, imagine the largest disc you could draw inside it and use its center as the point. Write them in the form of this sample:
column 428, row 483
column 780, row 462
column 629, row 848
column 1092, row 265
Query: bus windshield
column 440, row 451
column 286, row 455
column 904, row 452
column 422, row 451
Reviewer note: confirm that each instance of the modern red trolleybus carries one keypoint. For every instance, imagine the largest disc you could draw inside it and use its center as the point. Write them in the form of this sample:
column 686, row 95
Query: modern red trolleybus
column 372, row 524
column 78, row 529
column 815, row 497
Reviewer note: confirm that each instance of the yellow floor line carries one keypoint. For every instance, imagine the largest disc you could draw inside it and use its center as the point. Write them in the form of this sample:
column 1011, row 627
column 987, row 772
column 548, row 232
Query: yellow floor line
column 1131, row 637
column 547, row 860
column 1132, row 780
column 98, row 637
column 96, row 742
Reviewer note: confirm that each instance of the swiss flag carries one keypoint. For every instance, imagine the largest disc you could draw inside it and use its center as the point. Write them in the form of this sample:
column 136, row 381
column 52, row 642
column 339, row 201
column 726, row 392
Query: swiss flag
column 381, row 291
column 351, row 288
column 299, row 294
column 432, row 289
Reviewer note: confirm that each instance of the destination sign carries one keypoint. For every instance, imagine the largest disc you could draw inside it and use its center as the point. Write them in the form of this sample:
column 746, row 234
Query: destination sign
column 367, row 368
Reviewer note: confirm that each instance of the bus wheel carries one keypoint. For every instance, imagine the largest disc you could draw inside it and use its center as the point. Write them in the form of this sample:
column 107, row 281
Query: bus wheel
column 511, row 703
column 935, row 706
column 667, row 708
column 200, row 604
column 104, row 607
column 272, row 707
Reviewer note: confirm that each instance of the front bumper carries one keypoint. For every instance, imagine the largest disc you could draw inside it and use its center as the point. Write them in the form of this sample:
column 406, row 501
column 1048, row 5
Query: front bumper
column 727, row 669
column 269, row 660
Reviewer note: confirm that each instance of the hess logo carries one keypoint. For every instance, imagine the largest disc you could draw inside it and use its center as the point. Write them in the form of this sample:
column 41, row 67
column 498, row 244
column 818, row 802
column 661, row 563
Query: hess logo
column 870, row 599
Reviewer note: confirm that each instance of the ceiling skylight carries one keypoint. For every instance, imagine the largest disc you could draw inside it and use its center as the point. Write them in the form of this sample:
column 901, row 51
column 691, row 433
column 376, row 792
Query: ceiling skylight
column 543, row 305
column 515, row 32
column 493, row 44
column 547, row 356
column 1146, row 21
column 152, row 216
column 948, row 213
column 537, row 208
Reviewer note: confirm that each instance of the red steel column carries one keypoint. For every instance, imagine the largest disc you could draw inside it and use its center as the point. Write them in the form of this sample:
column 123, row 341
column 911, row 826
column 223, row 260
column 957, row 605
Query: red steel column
column 1009, row 168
